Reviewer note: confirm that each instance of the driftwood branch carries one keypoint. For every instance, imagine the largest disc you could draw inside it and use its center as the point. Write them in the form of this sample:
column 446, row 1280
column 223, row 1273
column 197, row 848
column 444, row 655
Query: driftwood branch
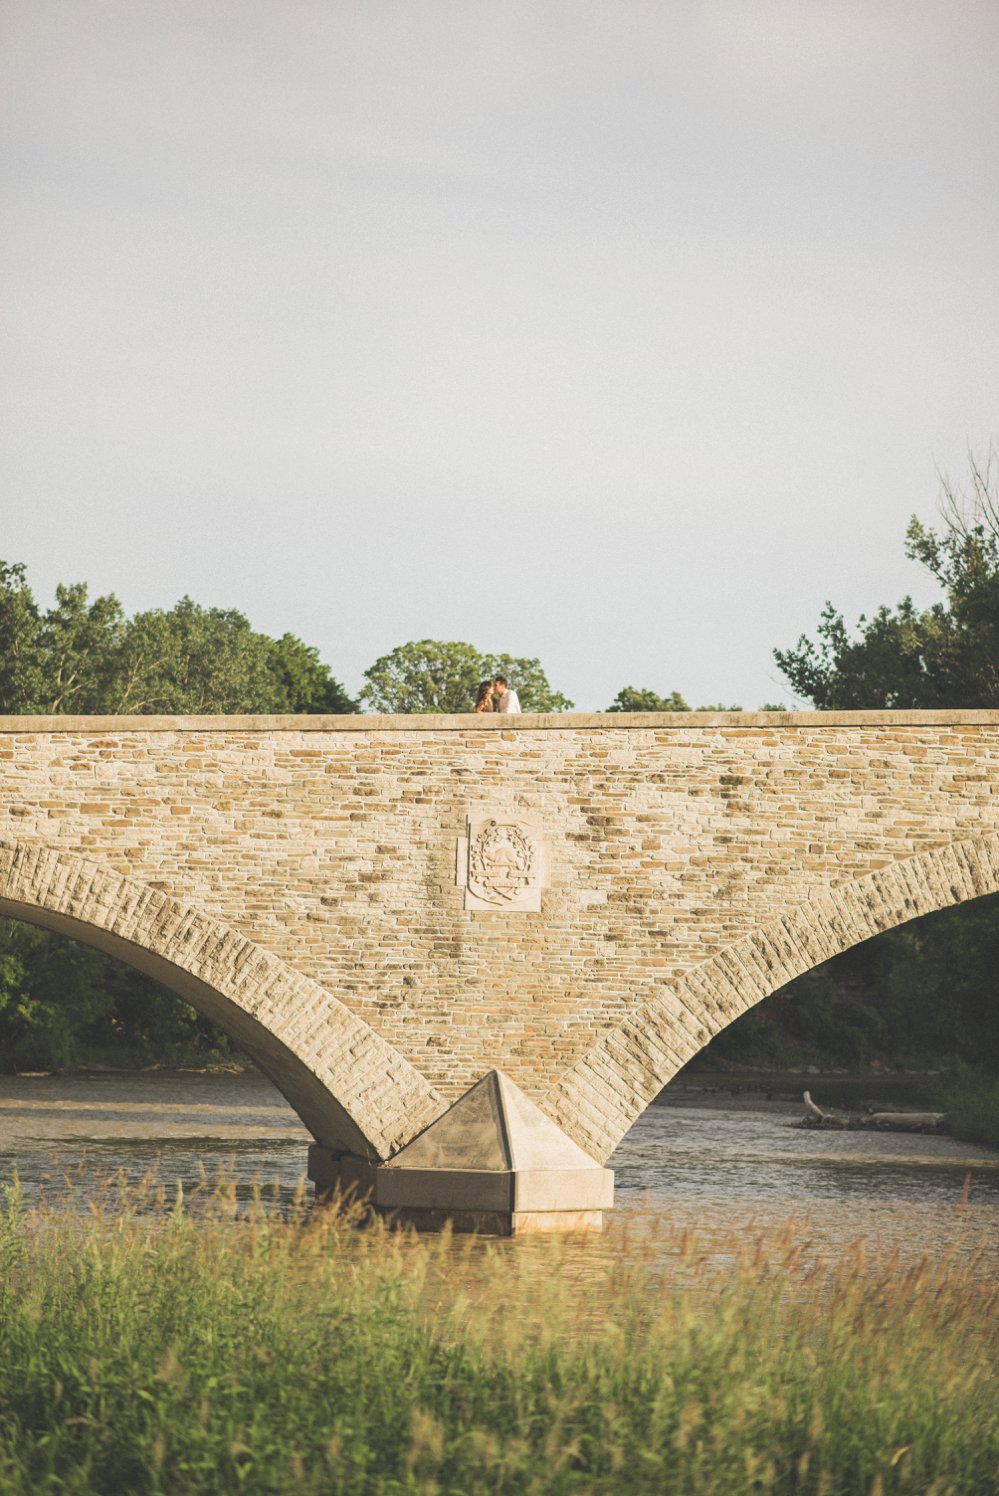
column 873, row 1121
column 906, row 1121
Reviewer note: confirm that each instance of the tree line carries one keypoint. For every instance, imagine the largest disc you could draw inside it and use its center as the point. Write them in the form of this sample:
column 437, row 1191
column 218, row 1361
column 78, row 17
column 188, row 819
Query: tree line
column 88, row 658
column 915, row 995
column 83, row 657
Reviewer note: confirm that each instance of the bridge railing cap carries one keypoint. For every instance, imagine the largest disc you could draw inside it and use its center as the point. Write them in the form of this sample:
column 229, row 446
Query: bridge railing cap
column 524, row 722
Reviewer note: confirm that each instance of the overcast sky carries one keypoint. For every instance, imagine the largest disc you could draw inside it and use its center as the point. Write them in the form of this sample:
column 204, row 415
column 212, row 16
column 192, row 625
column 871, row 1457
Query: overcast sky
column 622, row 333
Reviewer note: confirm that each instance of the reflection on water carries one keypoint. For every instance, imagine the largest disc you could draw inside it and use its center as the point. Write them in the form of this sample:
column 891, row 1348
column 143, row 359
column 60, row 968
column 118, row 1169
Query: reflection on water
column 139, row 1122
column 708, row 1162
column 713, row 1169
column 677, row 1151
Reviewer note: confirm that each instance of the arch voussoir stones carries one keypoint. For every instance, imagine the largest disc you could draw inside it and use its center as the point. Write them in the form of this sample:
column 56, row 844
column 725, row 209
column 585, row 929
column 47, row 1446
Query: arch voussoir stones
column 352, row 1089
column 599, row 1098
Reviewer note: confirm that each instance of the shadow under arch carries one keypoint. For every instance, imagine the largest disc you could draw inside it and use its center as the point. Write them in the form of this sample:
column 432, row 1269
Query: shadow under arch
column 354, row 1092
column 597, row 1100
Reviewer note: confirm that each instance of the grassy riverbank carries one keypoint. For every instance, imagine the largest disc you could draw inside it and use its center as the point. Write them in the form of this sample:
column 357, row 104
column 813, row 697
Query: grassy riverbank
column 153, row 1350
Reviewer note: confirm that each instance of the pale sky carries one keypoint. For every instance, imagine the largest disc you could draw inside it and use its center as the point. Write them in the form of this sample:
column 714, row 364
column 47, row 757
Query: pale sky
column 622, row 333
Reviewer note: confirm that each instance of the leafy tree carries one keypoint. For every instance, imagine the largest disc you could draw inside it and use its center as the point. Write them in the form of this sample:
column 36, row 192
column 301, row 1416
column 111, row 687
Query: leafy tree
column 902, row 658
column 943, row 656
column 63, row 1004
column 87, row 658
column 20, row 672
column 49, row 989
column 78, row 649
column 424, row 676
column 305, row 683
column 194, row 659
column 57, row 662
column 631, row 699
column 429, row 675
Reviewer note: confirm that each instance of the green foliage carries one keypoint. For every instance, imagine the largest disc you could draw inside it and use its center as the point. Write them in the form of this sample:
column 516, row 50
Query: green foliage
column 425, row 676
column 916, row 997
column 50, row 989
column 971, row 1100
column 944, row 656
column 87, row 658
column 632, row 699
column 20, row 669
column 76, row 647
column 432, row 676
column 153, row 1351
column 902, row 659
column 303, row 682
column 64, row 1004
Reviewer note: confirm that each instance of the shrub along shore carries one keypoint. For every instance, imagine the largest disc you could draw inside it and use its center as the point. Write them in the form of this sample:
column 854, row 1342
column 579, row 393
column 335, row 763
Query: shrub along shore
column 150, row 1346
column 971, row 1102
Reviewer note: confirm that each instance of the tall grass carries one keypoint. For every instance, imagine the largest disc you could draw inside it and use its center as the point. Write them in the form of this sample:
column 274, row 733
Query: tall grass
column 209, row 1349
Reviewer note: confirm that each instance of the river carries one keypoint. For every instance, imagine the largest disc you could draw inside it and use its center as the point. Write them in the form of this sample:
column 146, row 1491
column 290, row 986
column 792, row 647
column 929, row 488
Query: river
column 703, row 1155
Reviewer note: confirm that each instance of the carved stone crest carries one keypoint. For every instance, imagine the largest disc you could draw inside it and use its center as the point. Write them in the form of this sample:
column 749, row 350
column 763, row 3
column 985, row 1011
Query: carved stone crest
column 502, row 863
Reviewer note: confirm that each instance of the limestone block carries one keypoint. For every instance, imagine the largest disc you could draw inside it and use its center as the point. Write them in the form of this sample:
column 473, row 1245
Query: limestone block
column 494, row 1152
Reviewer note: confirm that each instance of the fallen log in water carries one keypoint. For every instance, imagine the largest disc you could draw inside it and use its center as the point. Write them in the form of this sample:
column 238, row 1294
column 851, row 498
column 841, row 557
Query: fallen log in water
column 907, row 1121
column 873, row 1121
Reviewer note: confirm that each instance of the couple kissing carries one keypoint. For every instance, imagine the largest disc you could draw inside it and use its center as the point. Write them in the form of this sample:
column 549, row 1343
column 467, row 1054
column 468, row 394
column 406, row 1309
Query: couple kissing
column 496, row 696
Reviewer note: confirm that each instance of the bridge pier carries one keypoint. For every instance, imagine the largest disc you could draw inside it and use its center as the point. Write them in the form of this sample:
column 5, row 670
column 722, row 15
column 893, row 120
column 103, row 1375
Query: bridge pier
column 493, row 1163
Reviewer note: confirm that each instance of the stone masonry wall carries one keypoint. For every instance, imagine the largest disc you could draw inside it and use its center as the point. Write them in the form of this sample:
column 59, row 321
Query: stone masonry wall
column 330, row 843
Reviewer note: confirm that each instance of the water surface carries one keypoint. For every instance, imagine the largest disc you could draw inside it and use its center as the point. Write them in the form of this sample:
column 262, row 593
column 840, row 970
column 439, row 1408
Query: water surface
column 700, row 1157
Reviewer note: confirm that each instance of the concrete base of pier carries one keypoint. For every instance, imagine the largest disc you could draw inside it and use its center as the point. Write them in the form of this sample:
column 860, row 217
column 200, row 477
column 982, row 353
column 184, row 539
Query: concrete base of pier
column 493, row 1163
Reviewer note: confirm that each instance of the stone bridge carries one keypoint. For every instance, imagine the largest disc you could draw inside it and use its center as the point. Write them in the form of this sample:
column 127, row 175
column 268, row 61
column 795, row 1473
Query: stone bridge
column 515, row 929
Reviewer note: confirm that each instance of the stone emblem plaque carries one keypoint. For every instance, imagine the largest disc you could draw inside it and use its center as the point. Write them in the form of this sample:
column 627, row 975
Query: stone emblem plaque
column 502, row 863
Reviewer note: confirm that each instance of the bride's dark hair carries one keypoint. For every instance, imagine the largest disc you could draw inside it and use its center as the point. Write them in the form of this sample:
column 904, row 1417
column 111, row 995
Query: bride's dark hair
column 485, row 686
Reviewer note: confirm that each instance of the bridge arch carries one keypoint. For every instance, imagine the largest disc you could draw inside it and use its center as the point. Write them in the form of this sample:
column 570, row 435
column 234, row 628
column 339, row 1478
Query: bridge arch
column 354, row 1091
column 597, row 1101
